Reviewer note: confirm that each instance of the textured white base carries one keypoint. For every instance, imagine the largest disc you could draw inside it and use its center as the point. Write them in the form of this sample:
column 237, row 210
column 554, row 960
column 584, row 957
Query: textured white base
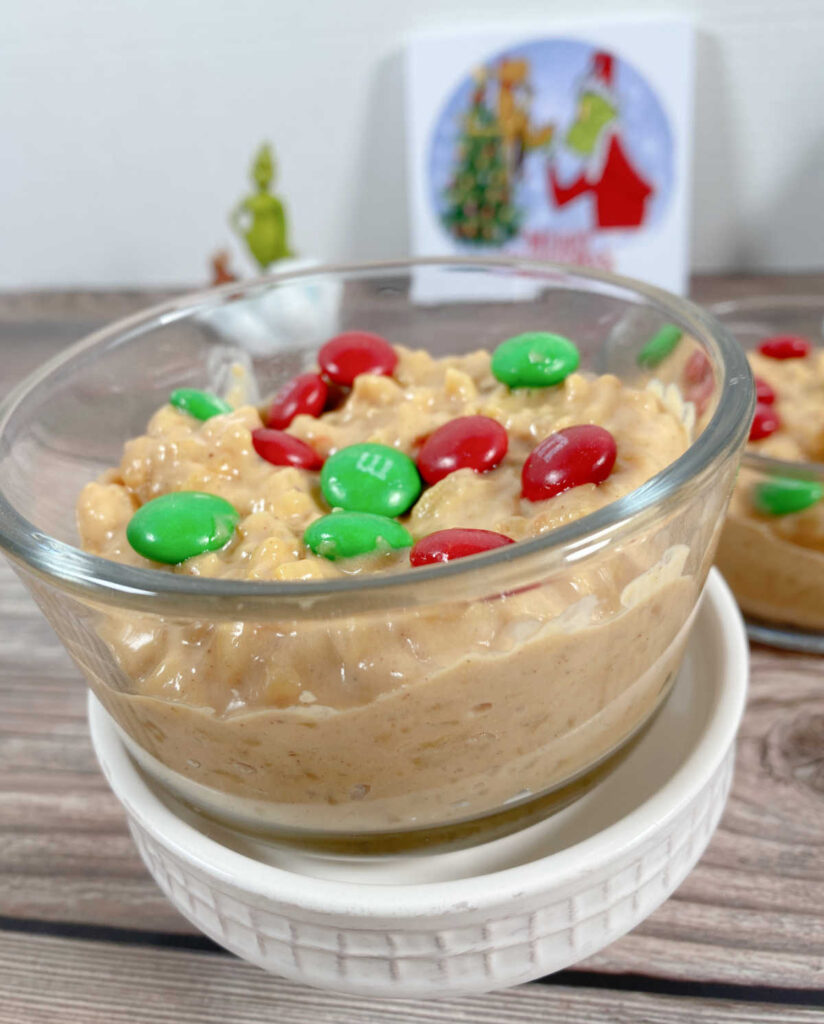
column 498, row 915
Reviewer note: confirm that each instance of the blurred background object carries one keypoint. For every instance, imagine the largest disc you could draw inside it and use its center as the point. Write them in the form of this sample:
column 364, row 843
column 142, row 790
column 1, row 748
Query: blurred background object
column 572, row 144
column 260, row 218
column 128, row 128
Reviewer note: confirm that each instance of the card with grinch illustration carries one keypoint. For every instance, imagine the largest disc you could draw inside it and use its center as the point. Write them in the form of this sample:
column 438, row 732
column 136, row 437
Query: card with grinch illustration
column 571, row 144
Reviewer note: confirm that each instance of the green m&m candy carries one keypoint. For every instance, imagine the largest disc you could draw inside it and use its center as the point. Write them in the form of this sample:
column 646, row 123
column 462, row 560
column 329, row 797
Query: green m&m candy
column 370, row 478
column 181, row 525
column 200, row 404
column 535, row 360
column 783, row 495
column 347, row 534
column 659, row 346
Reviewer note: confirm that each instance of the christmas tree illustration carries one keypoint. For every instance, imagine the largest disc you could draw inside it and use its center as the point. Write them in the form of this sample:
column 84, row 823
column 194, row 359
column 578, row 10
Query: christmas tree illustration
column 479, row 209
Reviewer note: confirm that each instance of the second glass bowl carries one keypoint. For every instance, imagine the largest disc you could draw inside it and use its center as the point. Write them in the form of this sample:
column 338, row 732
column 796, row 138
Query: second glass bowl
column 775, row 563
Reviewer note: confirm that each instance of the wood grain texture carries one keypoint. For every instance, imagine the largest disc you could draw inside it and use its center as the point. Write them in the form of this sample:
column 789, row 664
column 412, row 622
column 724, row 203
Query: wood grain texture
column 49, row 980
column 752, row 912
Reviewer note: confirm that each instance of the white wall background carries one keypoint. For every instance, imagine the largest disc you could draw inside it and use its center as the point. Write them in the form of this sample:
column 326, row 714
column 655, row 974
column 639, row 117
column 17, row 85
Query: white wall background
column 126, row 128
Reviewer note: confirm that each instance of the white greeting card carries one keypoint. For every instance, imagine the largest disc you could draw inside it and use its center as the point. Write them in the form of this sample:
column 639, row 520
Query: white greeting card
column 571, row 143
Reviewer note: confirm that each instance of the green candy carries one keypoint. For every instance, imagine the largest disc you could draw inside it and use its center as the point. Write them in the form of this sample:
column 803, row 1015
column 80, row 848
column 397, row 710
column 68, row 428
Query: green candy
column 347, row 534
column 536, row 359
column 783, row 495
column 181, row 525
column 659, row 346
column 370, row 478
column 199, row 404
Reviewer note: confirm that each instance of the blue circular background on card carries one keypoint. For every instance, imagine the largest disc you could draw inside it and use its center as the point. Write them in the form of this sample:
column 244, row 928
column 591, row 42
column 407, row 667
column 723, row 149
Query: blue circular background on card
column 620, row 187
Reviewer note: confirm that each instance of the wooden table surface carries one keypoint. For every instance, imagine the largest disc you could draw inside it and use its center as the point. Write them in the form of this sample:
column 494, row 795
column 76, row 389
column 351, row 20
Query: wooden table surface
column 85, row 936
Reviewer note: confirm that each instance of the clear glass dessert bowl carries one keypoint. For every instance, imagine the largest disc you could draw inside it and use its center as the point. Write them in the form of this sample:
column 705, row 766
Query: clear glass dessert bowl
column 772, row 548
column 460, row 700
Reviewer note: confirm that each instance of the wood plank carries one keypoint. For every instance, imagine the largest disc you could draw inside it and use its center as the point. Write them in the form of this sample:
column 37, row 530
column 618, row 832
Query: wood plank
column 708, row 288
column 47, row 980
column 71, row 309
column 102, row 306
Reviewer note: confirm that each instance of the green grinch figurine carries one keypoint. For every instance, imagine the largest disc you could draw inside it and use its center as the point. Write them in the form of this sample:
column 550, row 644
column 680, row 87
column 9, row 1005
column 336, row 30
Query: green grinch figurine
column 260, row 218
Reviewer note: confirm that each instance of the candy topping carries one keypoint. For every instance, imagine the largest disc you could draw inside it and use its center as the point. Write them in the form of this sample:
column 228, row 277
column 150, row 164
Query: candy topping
column 536, row 359
column 468, row 442
column 785, row 346
column 697, row 368
column 180, row 525
column 304, row 395
column 282, row 449
column 659, row 346
column 765, row 422
column 348, row 534
column 781, row 496
column 573, row 456
column 763, row 392
column 698, row 380
column 348, row 355
column 370, row 478
column 446, row 545
column 200, row 404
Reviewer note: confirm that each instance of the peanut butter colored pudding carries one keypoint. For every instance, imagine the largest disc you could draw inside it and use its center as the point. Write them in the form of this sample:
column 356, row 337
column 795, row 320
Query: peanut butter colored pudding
column 385, row 460
column 772, row 547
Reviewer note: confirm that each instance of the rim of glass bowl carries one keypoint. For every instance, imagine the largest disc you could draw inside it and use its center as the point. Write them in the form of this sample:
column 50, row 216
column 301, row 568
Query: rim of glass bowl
column 766, row 464
column 99, row 580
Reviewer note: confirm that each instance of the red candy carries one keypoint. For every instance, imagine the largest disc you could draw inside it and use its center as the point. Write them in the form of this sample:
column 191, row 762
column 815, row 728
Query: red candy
column 305, row 394
column 785, row 346
column 576, row 455
column 445, row 545
column 764, row 422
column 282, row 449
column 699, row 382
column 763, row 392
column 468, row 442
column 349, row 355
column 697, row 368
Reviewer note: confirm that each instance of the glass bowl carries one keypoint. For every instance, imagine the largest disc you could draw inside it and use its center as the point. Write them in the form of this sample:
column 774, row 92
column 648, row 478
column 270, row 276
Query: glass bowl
column 462, row 708
column 775, row 564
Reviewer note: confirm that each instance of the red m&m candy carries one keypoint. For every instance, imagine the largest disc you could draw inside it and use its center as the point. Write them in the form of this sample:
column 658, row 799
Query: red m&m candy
column 576, row 455
column 785, row 346
column 446, row 545
column 697, row 368
column 349, row 355
column 306, row 395
column 764, row 422
column 699, row 382
column 468, row 442
column 282, row 449
column 763, row 392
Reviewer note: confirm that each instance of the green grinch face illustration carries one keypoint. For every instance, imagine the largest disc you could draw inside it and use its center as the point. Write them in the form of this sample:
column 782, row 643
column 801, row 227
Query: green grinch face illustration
column 595, row 112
